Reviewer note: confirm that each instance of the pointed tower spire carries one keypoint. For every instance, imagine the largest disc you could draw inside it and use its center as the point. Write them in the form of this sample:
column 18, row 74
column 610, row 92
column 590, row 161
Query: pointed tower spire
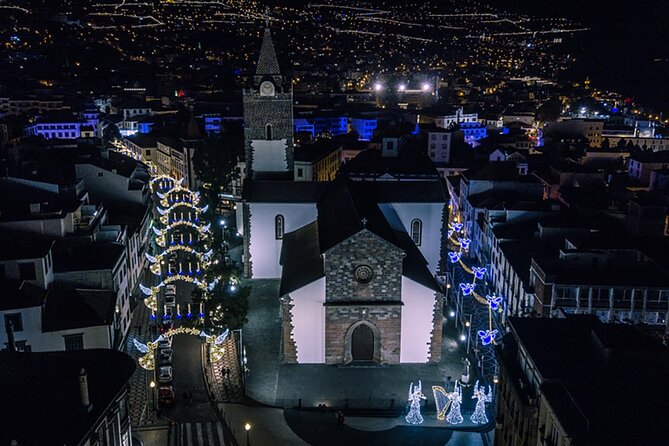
column 267, row 62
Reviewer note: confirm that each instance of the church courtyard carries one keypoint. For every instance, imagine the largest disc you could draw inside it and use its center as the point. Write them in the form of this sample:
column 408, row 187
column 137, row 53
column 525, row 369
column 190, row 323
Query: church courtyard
column 369, row 387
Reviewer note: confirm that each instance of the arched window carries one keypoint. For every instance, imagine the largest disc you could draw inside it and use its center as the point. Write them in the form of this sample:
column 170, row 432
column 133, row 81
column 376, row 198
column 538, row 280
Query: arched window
column 268, row 132
column 416, row 231
column 278, row 227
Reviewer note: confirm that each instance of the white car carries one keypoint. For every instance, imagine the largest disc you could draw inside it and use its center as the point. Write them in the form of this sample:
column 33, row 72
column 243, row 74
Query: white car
column 170, row 289
column 170, row 300
column 165, row 374
column 165, row 343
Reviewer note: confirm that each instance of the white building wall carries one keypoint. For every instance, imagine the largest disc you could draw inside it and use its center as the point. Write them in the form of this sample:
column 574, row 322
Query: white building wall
column 104, row 184
column 417, row 321
column 264, row 248
column 54, row 227
column 94, row 337
column 269, row 156
column 430, row 214
column 308, row 314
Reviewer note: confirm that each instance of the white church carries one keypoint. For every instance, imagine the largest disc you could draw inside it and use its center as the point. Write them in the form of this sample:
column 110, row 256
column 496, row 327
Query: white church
column 356, row 260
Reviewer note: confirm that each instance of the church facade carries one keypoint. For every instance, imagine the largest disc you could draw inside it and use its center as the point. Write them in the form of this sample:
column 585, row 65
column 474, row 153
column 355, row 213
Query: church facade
column 356, row 260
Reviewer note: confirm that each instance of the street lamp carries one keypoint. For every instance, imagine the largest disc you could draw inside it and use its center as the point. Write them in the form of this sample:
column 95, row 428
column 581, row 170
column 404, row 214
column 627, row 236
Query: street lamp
column 401, row 88
column 247, row 428
column 152, row 385
column 378, row 87
column 425, row 87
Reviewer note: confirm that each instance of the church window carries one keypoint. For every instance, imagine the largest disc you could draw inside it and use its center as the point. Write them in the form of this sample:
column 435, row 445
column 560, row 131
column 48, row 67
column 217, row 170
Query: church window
column 416, row 231
column 278, row 227
column 268, row 132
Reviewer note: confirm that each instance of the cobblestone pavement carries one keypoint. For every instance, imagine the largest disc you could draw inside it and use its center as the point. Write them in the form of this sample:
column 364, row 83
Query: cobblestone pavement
column 142, row 411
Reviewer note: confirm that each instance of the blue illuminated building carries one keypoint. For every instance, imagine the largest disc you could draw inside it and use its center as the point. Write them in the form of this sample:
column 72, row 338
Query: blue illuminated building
column 473, row 131
column 364, row 127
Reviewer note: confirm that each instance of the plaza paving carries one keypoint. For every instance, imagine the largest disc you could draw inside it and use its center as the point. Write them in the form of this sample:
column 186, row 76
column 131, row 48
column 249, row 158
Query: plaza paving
column 379, row 387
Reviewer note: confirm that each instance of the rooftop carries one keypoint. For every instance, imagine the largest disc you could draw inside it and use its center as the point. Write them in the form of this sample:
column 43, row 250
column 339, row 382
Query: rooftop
column 595, row 375
column 86, row 255
column 68, row 308
column 46, row 408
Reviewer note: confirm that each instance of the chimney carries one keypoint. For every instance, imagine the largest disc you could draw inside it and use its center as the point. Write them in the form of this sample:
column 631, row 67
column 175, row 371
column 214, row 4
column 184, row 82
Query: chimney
column 83, row 389
column 9, row 328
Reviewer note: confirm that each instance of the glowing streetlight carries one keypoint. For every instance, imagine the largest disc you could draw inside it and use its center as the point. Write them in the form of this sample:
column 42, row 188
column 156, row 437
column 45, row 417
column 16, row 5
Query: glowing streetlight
column 426, row 87
column 452, row 314
column 378, row 87
column 401, row 87
column 247, row 428
column 463, row 337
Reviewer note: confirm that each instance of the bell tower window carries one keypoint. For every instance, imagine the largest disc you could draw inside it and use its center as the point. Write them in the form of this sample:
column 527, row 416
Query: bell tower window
column 268, row 132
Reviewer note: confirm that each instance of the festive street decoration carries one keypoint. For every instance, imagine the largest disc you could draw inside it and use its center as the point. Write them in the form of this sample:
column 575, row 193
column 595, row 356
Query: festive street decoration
column 493, row 301
column 415, row 395
column 464, row 243
column 454, row 256
column 454, row 415
column 479, row 415
column 487, row 336
column 442, row 401
column 479, row 272
column 467, row 288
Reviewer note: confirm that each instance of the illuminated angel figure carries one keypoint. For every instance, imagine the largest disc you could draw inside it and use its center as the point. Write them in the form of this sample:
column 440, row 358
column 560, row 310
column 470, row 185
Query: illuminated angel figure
column 454, row 256
column 415, row 395
column 467, row 288
column 143, row 348
column 457, row 227
column 479, row 272
column 493, row 301
column 464, row 242
column 454, row 416
column 479, row 416
column 487, row 336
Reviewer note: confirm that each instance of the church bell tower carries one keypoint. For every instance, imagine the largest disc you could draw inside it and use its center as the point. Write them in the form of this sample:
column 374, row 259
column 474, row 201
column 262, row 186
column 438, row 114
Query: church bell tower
column 268, row 116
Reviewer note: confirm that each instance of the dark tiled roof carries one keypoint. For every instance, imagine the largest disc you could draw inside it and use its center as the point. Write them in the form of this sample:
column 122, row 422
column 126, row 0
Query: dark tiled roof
column 371, row 162
column 316, row 151
column 15, row 294
column 18, row 245
column 15, row 201
column 648, row 156
column 68, row 308
column 300, row 258
column 86, row 256
column 283, row 191
column 591, row 370
column 40, row 391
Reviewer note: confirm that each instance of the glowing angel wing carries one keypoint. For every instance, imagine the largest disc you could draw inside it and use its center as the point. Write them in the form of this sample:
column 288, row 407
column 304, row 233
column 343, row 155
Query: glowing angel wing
column 160, row 210
column 161, row 196
column 150, row 258
column 204, row 209
column 145, row 290
column 156, row 231
column 221, row 338
column 143, row 348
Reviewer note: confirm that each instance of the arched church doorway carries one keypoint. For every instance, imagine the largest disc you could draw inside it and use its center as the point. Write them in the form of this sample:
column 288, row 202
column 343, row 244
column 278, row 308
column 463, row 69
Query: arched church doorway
column 362, row 343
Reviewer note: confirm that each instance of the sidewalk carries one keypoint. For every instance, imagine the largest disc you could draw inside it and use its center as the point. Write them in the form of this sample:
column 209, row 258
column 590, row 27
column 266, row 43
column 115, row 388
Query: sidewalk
column 230, row 388
column 268, row 425
column 142, row 412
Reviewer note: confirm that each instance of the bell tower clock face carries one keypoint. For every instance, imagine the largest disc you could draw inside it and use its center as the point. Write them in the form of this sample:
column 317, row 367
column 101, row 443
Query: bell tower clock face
column 267, row 89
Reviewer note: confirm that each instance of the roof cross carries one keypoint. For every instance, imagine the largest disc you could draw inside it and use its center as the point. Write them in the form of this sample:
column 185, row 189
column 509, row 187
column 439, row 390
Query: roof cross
column 364, row 222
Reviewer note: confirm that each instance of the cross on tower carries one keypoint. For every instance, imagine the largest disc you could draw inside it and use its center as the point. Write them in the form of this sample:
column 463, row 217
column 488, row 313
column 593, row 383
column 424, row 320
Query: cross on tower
column 266, row 16
column 364, row 222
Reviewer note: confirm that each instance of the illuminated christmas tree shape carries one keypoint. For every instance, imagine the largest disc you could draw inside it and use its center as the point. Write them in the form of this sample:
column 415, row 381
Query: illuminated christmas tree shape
column 415, row 395
column 454, row 416
column 479, row 416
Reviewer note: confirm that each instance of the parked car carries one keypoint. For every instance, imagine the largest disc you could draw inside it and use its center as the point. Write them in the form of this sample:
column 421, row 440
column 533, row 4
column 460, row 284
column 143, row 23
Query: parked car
column 166, row 395
column 165, row 356
column 170, row 289
column 170, row 300
column 165, row 374
column 165, row 343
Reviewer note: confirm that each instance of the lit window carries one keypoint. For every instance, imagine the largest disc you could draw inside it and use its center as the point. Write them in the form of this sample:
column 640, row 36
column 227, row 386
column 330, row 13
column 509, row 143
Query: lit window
column 416, row 231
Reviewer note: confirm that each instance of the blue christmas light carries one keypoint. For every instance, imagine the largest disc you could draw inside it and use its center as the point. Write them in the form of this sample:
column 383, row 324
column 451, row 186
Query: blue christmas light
column 479, row 272
column 454, row 256
column 458, row 226
column 464, row 242
column 487, row 336
column 494, row 301
column 467, row 288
